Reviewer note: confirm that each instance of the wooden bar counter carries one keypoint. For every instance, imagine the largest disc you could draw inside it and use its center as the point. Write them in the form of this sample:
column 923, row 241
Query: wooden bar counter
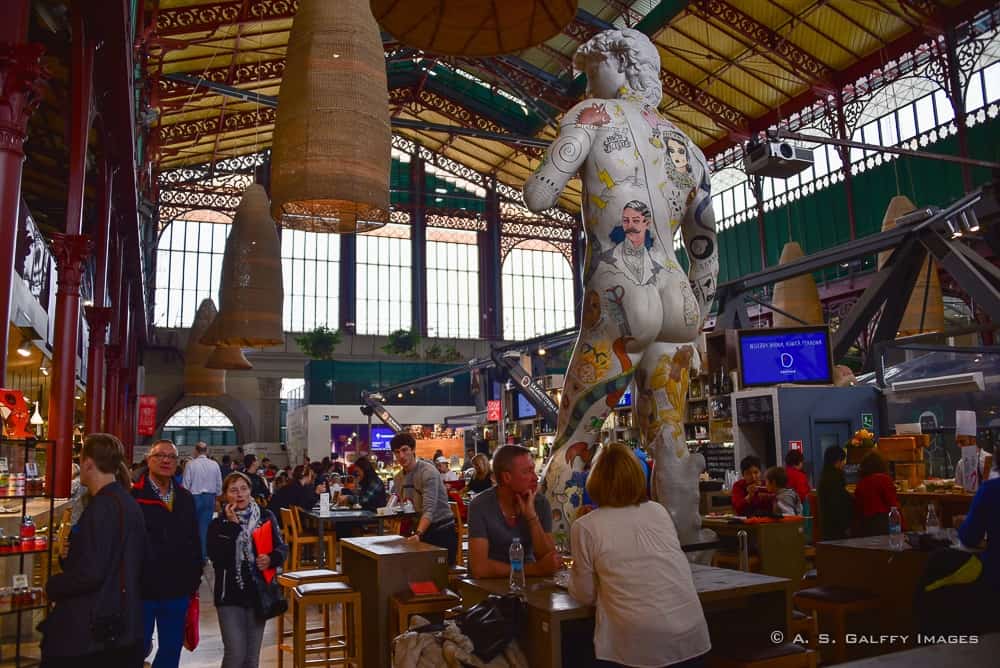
column 947, row 505
column 380, row 566
column 559, row 630
column 780, row 545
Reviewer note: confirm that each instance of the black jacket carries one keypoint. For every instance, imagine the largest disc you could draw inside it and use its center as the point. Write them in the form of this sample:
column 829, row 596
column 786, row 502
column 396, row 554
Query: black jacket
column 89, row 585
column 836, row 506
column 173, row 537
column 259, row 488
column 292, row 494
column 222, row 536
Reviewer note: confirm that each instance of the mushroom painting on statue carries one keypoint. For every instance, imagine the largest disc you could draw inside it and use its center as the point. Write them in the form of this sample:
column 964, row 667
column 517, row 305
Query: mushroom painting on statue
column 251, row 295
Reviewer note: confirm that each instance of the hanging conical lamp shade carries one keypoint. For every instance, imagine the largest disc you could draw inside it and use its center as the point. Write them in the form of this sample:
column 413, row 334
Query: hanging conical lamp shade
column 228, row 357
column 331, row 149
column 473, row 27
column 797, row 296
column 199, row 381
column 927, row 287
column 250, row 291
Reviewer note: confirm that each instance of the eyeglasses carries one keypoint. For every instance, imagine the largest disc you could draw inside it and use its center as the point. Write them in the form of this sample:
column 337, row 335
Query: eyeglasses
column 163, row 457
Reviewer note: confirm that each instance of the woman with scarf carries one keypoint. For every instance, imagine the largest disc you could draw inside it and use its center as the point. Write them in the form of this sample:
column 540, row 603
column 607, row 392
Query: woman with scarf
column 240, row 570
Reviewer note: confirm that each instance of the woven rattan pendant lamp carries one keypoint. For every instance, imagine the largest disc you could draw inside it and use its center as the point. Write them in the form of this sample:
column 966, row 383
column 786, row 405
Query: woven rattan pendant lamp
column 228, row 357
column 331, row 150
column 251, row 295
column 199, row 381
column 796, row 296
column 473, row 27
column 928, row 285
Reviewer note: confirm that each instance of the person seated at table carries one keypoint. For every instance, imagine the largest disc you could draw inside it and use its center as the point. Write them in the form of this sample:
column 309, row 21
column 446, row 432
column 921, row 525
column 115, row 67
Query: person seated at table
column 749, row 496
column 444, row 468
column 482, row 479
column 334, row 485
column 369, row 491
column 874, row 496
column 786, row 501
column 628, row 562
column 983, row 521
column 835, row 502
column 511, row 509
column 300, row 491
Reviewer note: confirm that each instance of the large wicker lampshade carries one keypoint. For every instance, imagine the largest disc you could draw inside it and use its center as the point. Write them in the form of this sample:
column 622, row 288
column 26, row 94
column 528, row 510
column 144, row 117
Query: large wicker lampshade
column 796, row 296
column 473, row 27
column 199, row 381
column 228, row 357
column 331, row 151
column 251, row 295
column 927, row 287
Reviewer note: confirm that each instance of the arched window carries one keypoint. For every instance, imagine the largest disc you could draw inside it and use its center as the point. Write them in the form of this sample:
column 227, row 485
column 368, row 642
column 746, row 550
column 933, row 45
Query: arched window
column 452, row 283
column 199, row 423
column 537, row 291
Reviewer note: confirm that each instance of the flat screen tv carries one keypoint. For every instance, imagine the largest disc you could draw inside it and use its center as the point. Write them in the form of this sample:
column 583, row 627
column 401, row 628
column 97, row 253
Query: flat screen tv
column 525, row 410
column 790, row 355
column 381, row 437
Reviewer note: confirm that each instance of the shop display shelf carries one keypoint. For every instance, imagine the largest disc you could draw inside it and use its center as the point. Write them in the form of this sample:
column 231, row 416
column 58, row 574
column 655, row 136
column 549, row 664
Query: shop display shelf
column 42, row 550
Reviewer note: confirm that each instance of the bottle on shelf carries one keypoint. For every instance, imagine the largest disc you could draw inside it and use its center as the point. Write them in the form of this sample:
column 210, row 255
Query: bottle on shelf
column 516, row 554
column 727, row 384
column 895, row 529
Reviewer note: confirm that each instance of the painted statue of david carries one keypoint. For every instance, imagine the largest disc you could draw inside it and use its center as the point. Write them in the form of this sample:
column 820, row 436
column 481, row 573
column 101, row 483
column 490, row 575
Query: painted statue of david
column 643, row 179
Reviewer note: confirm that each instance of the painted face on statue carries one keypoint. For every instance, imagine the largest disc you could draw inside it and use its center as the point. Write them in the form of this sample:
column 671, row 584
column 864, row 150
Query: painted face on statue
column 634, row 224
column 678, row 154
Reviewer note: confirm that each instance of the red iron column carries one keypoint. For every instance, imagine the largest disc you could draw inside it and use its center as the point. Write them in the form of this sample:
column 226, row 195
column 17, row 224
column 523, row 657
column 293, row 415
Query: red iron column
column 70, row 251
column 98, row 315
column 21, row 79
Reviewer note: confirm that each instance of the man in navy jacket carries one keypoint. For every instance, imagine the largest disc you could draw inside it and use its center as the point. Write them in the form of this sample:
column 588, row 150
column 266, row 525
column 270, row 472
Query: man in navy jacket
column 175, row 571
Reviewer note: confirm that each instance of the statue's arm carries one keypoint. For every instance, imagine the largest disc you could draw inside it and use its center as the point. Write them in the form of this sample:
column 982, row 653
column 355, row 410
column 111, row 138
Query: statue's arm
column 562, row 161
column 698, row 230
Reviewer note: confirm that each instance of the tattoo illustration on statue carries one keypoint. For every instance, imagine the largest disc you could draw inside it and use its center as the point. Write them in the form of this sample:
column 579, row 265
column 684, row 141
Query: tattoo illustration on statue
column 701, row 247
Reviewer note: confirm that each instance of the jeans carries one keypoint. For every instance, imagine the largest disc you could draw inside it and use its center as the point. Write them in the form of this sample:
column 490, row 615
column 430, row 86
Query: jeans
column 445, row 537
column 125, row 657
column 168, row 616
column 204, row 508
column 242, row 634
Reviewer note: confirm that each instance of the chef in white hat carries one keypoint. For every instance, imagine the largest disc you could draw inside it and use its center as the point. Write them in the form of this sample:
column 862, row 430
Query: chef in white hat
column 970, row 469
column 444, row 468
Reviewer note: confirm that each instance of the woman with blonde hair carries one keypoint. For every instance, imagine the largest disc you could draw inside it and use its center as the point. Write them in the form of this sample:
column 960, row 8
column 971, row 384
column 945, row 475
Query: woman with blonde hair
column 628, row 562
column 481, row 481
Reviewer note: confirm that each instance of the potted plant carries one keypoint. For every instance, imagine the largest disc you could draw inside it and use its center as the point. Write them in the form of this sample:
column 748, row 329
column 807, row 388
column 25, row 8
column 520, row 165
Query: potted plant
column 319, row 343
column 442, row 353
column 860, row 445
column 402, row 342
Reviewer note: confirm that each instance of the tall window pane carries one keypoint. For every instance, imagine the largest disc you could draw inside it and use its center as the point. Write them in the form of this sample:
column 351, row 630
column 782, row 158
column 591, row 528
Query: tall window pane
column 452, row 292
column 308, row 273
column 383, row 281
column 534, row 273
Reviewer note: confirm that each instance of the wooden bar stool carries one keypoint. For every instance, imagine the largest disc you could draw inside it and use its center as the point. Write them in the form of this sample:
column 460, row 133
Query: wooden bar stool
column 456, row 574
column 340, row 649
column 737, row 655
column 805, row 625
column 837, row 603
column 460, row 531
column 405, row 604
column 288, row 581
column 297, row 539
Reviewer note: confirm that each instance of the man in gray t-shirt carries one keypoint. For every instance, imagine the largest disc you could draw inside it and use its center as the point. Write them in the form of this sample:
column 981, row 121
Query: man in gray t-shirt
column 511, row 509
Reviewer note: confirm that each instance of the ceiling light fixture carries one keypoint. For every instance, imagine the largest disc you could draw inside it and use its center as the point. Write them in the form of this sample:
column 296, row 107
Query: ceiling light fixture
column 23, row 350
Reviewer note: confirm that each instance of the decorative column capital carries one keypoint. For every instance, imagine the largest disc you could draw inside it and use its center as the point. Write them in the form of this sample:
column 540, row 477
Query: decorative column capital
column 70, row 250
column 22, row 81
column 270, row 388
column 98, row 319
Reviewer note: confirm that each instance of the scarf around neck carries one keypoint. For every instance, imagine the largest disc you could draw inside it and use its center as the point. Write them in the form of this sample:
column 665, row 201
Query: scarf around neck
column 249, row 519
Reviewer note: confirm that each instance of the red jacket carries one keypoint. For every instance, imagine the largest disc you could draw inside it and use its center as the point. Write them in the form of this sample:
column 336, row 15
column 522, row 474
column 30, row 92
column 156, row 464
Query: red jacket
column 798, row 481
column 875, row 495
column 742, row 505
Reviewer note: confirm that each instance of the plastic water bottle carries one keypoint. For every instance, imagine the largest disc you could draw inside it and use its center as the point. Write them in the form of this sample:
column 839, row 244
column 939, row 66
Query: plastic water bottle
column 933, row 526
column 895, row 529
column 516, row 566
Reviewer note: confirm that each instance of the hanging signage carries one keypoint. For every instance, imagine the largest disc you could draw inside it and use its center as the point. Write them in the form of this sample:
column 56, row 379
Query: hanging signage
column 795, row 445
column 147, row 415
column 493, row 410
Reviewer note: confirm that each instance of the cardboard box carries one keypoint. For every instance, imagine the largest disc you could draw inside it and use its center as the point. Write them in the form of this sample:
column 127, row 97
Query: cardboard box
column 902, row 448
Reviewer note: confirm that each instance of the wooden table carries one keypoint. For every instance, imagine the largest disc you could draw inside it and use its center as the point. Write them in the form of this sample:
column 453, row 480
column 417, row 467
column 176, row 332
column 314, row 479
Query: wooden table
column 914, row 508
column 348, row 516
column 869, row 564
column 983, row 653
column 559, row 630
column 780, row 545
column 380, row 566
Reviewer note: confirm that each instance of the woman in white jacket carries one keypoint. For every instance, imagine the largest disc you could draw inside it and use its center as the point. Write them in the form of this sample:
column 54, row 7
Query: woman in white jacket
column 629, row 563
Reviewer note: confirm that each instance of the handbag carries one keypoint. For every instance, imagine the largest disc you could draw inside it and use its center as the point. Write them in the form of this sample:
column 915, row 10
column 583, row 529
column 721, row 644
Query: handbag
column 191, row 621
column 492, row 624
column 270, row 602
